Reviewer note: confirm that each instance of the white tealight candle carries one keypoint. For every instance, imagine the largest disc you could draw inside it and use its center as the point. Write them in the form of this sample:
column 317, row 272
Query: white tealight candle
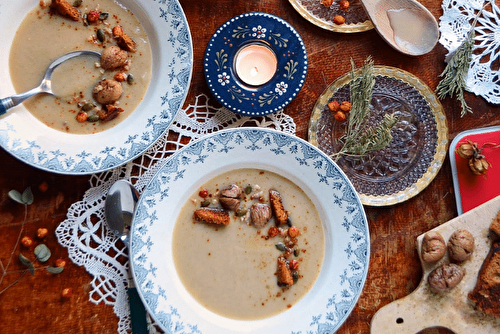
column 255, row 64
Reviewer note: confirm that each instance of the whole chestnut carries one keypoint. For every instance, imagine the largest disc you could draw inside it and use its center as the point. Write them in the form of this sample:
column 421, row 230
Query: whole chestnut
column 445, row 277
column 460, row 246
column 433, row 247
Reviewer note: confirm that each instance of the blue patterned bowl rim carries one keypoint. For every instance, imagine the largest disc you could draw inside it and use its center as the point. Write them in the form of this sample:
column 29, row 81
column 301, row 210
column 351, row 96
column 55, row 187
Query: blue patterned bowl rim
column 347, row 239
column 27, row 139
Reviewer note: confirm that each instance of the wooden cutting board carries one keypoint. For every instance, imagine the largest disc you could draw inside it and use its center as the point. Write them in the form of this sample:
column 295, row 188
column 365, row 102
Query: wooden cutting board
column 423, row 309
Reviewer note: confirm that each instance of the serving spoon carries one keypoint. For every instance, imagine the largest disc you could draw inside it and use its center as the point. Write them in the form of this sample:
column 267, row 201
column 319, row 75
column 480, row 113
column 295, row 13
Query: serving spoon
column 406, row 25
column 46, row 83
column 119, row 208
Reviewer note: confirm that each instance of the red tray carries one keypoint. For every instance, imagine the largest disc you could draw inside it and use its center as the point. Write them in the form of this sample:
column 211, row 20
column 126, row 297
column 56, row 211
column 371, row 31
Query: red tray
column 473, row 190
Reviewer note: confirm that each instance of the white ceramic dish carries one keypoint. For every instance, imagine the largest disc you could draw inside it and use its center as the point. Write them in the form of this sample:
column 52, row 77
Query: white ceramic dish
column 347, row 242
column 26, row 138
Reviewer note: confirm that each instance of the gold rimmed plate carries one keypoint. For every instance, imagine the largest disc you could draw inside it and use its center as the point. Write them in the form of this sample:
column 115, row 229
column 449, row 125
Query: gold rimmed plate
column 420, row 138
column 315, row 12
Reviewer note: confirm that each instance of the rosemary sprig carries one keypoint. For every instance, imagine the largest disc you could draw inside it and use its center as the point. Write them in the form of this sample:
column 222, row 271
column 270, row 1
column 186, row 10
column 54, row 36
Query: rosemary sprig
column 361, row 138
column 455, row 72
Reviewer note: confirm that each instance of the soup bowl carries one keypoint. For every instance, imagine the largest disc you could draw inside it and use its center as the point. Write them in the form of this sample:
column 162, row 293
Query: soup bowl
column 31, row 141
column 347, row 247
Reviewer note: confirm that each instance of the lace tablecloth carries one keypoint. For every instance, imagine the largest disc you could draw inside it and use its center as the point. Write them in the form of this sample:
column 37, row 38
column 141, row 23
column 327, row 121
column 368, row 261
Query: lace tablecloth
column 84, row 232
column 483, row 78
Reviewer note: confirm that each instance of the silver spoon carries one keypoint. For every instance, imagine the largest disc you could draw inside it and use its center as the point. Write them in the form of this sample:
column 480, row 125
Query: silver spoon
column 406, row 25
column 46, row 84
column 119, row 209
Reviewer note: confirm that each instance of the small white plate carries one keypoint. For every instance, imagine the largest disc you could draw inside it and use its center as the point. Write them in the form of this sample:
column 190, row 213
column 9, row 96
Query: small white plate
column 26, row 138
column 347, row 240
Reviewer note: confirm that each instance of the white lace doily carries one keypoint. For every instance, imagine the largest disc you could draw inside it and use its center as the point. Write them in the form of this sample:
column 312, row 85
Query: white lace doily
column 84, row 232
column 483, row 78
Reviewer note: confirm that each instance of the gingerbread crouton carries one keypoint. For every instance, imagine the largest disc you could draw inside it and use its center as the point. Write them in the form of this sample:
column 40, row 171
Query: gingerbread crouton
column 212, row 216
column 284, row 273
column 280, row 214
column 64, row 8
column 123, row 40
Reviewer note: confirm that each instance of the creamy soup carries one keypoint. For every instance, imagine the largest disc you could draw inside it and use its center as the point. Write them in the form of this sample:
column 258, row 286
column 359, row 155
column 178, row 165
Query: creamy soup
column 232, row 269
column 44, row 36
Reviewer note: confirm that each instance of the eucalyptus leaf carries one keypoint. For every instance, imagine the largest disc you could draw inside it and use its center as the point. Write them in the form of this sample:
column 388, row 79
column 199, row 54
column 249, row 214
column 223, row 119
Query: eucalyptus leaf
column 55, row 270
column 27, row 196
column 25, row 261
column 42, row 253
column 16, row 196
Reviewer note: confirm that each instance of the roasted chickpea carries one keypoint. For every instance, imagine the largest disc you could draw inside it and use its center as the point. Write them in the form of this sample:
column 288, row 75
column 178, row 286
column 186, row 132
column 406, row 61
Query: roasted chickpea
column 339, row 19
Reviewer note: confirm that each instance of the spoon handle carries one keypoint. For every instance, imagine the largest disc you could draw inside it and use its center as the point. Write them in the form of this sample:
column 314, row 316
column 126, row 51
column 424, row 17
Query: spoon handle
column 137, row 312
column 5, row 104
column 12, row 101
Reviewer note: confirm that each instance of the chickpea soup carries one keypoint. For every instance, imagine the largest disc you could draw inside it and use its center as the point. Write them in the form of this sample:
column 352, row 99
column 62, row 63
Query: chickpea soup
column 56, row 27
column 248, row 244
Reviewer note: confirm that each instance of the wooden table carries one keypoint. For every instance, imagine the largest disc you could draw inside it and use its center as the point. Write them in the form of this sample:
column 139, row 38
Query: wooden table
column 34, row 305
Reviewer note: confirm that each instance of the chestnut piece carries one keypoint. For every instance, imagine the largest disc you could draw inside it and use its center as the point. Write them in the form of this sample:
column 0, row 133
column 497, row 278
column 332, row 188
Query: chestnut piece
column 445, row 277
column 460, row 246
column 433, row 247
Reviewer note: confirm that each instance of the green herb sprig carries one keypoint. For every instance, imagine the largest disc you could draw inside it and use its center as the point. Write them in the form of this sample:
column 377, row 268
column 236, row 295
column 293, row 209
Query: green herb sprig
column 361, row 138
column 455, row 72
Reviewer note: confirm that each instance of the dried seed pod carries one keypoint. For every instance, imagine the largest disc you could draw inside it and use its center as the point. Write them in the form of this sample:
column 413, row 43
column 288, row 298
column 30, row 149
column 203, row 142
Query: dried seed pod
column 433, row 247
column 479, row 166
column 445, row 277
column 467, row 150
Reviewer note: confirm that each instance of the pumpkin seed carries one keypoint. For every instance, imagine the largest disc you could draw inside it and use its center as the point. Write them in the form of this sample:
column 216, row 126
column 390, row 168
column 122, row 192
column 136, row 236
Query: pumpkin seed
column 281, row 246
column 93, row 118
column 205, row 203
column 103, row 16
column 100, row 35
column 77, row 3
column 241, row 212
column 248, row 189
column 295, row 276
column 296, row 252
column 130, row 79
column 88, row 106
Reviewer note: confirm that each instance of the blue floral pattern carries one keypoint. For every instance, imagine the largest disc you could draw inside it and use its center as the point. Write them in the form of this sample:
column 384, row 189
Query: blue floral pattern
column 276, row 34
column 347, row 248
column 54, row 151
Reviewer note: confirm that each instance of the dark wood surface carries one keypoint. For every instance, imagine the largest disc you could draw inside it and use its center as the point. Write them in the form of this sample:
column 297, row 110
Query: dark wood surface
column 34, row 304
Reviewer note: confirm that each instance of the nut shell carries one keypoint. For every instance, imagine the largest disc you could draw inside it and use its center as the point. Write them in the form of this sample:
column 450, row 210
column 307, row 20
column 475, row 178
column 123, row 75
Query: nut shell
column 445, row 277
column 460, row 246
column 433, row 247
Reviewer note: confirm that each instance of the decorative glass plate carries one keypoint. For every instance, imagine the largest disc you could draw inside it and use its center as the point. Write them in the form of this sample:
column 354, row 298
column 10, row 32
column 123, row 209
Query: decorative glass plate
column 278, row 35
column 347, row 239
column 29, row 140
column 420, row 137
column 356, row 18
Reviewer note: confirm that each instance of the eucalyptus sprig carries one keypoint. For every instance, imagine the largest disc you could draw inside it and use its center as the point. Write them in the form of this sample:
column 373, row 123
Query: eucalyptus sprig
column 455, row 72
column 42, row 252
column 360, row 137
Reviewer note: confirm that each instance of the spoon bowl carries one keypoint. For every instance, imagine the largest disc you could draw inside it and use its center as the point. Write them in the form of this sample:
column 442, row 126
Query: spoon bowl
column 406, row 25
column 46, row 83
